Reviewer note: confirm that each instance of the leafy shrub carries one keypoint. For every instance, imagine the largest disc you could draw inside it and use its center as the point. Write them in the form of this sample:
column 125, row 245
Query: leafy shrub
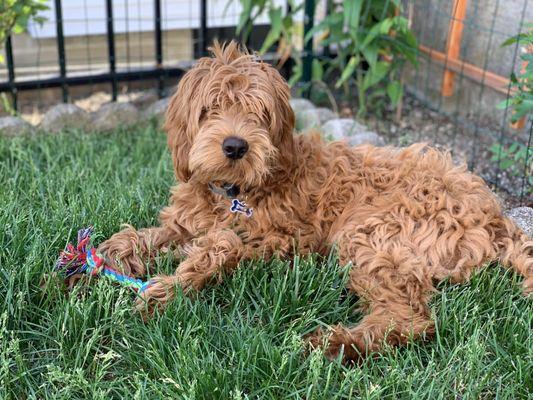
column 370, row 40
column 516, row 159
column 16, row 14
column 522, row 83
column 372, row 43
column 282, row 26
column 14, row 17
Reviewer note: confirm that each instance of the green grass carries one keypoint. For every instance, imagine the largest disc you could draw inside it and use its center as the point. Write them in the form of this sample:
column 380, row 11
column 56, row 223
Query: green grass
column 238, row 340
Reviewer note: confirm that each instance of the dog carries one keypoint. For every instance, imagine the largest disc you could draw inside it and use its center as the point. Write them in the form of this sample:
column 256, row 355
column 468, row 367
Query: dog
column 400, row 219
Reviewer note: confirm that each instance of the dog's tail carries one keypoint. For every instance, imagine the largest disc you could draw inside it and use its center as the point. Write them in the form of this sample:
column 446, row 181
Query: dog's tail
column 515, row 250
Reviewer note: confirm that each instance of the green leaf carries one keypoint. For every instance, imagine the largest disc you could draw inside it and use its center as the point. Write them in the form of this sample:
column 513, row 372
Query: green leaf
column 505, row 164
column 375, row 75
column 371, row 35
column 370, row 53
column 276, row 26
column 245, row 15
column 348, row 71
column 510, row 41
column 394, row 91
column 504, row 104
column 352, row 14
column 331, row 22
column 317, row 70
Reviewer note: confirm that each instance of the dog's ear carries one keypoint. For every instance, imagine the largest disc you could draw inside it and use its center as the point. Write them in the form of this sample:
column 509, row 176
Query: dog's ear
column 183, row 116
column 282, row 118
column 179, row 143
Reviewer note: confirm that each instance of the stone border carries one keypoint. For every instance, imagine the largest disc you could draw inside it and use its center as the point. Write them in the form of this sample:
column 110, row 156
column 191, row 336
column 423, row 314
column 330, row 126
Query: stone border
column 65, row 116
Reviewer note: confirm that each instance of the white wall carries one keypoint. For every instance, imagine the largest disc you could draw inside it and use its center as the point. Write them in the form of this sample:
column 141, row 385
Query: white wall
column 88, row 17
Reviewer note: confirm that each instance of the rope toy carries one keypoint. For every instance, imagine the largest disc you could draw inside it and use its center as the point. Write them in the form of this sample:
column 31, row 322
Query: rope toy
column 83, row 258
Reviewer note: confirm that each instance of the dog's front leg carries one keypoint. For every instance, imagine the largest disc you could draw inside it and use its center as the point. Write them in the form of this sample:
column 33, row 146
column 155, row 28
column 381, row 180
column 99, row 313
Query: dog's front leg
column 130, row 249
column 207, row 259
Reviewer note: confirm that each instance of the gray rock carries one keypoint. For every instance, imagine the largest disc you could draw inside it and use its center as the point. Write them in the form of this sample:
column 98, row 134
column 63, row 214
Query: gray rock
column 523, row 217
column 313, row 117
column 326, row 114
column 14, row 126
column 306, row 119
column 340, row 128
column 368, row 137
column 157, row 109
column 65, row 116
column 114, row 115
column 299, row 104
column 145, row 99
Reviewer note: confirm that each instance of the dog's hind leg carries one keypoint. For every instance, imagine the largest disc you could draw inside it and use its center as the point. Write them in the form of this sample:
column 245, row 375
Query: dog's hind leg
column 394, row 286
column 515, row 250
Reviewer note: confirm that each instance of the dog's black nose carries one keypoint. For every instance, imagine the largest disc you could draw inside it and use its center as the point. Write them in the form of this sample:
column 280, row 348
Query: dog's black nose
column 234, row 147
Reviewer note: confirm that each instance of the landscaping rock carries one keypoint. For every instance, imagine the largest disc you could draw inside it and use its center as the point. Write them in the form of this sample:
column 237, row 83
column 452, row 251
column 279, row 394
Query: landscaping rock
column 325, row 115
column 523, row 217
column 145, row 99
column 65, row 116
column 157, row 109
column 14, row 126
column 114, row 115
column 313, row 117
column 368, row 137
column 341, row 128
column 299, row 104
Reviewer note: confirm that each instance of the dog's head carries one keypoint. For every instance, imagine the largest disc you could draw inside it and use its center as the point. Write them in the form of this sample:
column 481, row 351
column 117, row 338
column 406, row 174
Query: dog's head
column 230, row 120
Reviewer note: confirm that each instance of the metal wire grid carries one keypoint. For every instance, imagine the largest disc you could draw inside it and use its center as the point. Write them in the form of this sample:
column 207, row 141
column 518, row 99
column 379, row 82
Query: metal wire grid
column 135, row 53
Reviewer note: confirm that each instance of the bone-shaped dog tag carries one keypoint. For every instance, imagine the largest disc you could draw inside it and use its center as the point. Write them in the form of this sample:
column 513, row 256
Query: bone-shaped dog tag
column 240, row 207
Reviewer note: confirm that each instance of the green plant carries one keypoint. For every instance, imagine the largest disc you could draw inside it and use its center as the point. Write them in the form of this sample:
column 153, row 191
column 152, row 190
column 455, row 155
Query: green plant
column 282, row 25
column 16, row 14
column 516, row 159
column 14, row 18
column 521, row 102
column 373, row 41
column 370, row 39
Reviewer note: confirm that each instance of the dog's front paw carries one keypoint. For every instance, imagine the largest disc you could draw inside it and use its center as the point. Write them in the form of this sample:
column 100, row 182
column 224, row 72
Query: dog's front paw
column 122, row 252
column 155, row 297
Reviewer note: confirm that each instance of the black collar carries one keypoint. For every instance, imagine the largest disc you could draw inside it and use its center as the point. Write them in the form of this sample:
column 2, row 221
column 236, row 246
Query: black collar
column 228, row 190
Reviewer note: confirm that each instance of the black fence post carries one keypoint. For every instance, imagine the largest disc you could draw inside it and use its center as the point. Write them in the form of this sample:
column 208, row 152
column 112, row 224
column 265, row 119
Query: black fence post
column 11, row 71
column 329, row 9
column 61, row 49
column 111, row 48
column 158, row 46
column 202, row 32
column 307, row 67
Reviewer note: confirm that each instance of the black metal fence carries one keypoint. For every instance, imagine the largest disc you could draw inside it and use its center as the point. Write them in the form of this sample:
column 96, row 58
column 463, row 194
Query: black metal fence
column 474, row 123
column 112, row 76
column 159, row 70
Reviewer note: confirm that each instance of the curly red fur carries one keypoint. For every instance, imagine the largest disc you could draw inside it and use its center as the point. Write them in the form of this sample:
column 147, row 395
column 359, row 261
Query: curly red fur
column 404, row 218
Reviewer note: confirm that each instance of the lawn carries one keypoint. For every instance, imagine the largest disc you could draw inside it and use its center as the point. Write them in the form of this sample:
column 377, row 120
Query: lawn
column 238, row 340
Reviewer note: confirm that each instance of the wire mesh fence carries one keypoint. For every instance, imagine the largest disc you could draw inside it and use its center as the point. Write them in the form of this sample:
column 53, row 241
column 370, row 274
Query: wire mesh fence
column 111, row 49
column 464, row 74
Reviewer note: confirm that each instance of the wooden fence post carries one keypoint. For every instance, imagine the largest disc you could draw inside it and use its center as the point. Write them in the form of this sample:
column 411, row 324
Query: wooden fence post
column 453, row 47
